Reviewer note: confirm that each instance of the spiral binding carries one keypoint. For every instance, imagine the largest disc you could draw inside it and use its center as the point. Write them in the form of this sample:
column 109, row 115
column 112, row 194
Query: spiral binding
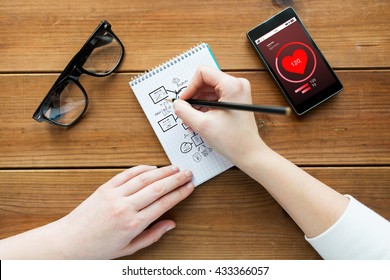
column 169, row 63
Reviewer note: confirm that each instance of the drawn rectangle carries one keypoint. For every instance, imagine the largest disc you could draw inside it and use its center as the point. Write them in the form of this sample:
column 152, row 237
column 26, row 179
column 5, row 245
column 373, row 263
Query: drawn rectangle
column 197, row 140
column 158, row 94
column 167, row 123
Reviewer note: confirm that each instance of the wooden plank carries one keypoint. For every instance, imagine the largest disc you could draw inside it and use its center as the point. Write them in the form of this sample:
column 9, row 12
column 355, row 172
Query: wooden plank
column 35, row 36
column 351, row 128
column 229, row 217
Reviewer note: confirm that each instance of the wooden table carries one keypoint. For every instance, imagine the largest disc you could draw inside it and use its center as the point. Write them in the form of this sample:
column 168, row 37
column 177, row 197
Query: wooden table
column 46, row 171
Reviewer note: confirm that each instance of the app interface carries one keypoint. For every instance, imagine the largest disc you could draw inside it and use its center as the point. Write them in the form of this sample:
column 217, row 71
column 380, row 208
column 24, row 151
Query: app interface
column 294, row 60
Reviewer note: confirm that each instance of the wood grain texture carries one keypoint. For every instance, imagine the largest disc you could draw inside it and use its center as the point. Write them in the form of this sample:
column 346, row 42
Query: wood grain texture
column 351, row 128
column 43, row 35
column 46, row 171
column 229, row 217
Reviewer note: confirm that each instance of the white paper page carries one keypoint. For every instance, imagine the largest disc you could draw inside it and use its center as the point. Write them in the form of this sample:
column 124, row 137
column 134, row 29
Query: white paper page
column 184, row 148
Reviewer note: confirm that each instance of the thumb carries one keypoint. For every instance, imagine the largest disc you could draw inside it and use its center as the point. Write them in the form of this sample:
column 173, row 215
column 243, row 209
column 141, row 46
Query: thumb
column 188, row 114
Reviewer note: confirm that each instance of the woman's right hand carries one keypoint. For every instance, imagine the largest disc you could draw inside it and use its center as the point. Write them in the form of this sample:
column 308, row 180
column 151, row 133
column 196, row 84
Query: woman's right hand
column 232, row 133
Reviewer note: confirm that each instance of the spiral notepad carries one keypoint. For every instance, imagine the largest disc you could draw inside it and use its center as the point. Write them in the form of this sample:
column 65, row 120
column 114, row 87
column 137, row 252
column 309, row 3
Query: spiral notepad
column 184, row 148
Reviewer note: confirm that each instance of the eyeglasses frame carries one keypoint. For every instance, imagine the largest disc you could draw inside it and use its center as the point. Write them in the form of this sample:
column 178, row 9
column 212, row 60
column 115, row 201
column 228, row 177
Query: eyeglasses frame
column 74, row 70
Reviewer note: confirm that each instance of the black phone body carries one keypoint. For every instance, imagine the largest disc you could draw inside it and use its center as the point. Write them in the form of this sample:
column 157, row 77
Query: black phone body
column 294, row 61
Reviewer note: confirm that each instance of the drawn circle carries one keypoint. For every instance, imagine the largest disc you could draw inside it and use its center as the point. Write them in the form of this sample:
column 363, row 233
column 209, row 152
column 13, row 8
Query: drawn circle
column 277, row 66
column 185, row 147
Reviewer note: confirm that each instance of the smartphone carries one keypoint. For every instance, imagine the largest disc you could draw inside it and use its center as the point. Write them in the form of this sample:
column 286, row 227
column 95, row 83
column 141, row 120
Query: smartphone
column 294, row 61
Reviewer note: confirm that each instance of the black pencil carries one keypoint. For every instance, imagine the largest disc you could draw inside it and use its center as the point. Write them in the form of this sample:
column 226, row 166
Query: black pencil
column 238, row 106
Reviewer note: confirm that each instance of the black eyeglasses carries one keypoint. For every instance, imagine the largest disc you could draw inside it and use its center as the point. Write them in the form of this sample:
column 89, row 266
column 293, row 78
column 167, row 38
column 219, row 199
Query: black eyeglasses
column 67, row 101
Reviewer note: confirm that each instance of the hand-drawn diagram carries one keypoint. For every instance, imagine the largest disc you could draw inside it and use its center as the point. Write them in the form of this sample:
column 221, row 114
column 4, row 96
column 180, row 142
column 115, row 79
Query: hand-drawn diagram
column 169, row 120
column 185, row 147
column 197, row 140
column 167, row 123
column 159, row 94
column 162, row 93
column 197, row 157
column 166, row 108
column 205, row 151
column 177, row 92
column 184, row 126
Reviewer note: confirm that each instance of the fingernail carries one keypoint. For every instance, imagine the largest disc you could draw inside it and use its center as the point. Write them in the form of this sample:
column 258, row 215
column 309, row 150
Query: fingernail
column 170, row 228
column 174, row 103
column 188, row 173
column 190, row 185
column 174, row 168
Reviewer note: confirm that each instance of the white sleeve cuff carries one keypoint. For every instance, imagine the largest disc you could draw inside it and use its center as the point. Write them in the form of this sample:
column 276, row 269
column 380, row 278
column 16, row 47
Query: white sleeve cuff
column 360, row 233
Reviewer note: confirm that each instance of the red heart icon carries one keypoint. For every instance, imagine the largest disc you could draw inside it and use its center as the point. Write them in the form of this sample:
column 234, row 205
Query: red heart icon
column 295, row 63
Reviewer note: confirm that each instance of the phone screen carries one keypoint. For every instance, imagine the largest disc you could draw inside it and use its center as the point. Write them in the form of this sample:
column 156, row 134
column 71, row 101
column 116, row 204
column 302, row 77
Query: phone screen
column 295, row 61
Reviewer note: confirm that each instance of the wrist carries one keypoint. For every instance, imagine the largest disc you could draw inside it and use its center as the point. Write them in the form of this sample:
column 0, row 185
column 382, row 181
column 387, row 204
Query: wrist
column 61, row 240
column 57, row 241
column 45, row 242
column 253, row 154
column 61, row 230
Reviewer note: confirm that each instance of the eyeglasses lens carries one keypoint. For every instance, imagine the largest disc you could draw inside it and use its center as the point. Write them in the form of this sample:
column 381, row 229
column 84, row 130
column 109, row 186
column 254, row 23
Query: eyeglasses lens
column 105, row 56
column 66, row 104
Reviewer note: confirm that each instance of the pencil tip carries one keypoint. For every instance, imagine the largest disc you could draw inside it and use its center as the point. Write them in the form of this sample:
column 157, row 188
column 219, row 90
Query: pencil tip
column 288, row 111
column 169, row 100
